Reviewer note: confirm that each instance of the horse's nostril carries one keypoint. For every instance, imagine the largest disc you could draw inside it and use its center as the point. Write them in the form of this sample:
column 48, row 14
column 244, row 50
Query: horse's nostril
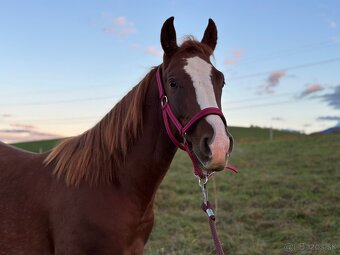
column 204, row 146
column 231, row 141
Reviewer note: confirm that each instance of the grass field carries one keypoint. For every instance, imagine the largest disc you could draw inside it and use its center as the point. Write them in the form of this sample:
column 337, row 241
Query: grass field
column 39, row 146
column 285, row 200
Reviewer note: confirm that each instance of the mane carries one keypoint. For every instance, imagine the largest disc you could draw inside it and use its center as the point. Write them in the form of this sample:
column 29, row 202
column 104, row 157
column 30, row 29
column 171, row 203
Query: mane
column 191, row 45
column 95, row 155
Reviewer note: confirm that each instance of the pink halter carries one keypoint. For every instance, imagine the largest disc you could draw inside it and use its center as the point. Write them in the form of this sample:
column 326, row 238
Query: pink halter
column 168, row 113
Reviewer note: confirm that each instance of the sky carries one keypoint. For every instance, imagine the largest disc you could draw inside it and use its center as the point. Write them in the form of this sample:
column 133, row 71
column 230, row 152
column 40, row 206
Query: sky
column 64, row 64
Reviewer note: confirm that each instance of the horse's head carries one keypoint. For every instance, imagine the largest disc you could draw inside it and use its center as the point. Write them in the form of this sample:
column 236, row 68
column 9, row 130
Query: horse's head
column 191, row 84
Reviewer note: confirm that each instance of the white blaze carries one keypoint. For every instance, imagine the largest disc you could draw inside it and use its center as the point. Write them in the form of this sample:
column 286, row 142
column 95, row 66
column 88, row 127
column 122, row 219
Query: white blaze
column 200, row 73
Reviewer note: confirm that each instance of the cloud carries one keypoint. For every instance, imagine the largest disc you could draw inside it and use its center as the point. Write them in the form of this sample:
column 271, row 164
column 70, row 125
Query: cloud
column 21, row 133
column 335, row 39
column 28, row 127
column 236, row 56
column 120, row 21
column 5, row 115
column 278, row 119
column 328, row 118
column 24, row 135
column 119, row 26
column 153, row 51
column 332, row 24
column 311, row 88
column 333, row 99
column 273, row 80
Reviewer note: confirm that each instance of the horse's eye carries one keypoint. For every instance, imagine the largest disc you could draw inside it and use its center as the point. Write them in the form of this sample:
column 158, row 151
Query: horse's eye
column 172, row 84
column 223, row 83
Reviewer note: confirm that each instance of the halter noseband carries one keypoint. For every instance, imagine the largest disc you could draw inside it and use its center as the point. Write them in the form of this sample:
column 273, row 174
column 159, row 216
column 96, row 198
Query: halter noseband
column 168, row 113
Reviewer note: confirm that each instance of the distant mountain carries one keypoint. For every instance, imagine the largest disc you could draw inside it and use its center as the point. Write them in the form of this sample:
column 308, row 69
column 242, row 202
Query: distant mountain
column 330, row 130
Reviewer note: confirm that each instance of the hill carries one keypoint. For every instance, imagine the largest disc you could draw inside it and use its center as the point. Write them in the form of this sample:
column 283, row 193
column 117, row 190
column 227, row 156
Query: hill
column 240, row 134
column 37, row 146
column 331, row 130
column 244, row 134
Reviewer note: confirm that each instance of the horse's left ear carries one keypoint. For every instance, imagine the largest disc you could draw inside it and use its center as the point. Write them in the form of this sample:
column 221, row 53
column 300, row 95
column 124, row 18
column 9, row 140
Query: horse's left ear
column 210, row 35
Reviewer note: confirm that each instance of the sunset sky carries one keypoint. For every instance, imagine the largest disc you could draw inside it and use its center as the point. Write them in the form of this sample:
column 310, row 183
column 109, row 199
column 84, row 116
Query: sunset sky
column 64, row 64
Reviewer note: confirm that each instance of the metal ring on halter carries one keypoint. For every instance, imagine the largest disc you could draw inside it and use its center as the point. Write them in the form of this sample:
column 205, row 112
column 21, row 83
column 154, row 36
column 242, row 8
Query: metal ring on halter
column 185, row 136
column 203, row 181
column 164, row 100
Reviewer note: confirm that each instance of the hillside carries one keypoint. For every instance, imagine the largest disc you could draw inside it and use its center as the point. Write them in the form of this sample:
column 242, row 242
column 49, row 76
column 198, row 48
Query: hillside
column 243, row 134
column 240, row 134
column 37, row 146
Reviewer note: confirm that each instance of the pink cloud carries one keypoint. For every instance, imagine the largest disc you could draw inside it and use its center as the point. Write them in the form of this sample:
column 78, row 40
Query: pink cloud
column 237, row 52
column 153, row 51
column 120, row 26
column 273, row 80
column 312, row 88
column 120, row 21
column 28, row 127
column 24, row 135
column 5, row 115
column 236, row 56
column 17, row 132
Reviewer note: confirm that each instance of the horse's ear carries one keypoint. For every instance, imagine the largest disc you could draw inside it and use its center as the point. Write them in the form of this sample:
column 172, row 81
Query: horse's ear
column 168, row 37
column 210, row 35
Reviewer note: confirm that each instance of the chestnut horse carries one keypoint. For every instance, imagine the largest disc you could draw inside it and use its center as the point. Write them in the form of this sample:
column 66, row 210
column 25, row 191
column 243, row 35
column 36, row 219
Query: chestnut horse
column 94, row 193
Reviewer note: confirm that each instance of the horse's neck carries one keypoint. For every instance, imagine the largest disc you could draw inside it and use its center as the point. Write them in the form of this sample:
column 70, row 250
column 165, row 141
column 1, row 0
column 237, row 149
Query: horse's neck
column 151, row 155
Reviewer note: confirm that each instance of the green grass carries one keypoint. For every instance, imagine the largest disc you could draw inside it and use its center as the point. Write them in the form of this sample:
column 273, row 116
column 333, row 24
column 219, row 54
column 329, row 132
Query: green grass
column 285, row 197
column 242, row 134
column 37, row 146
column 284, row 200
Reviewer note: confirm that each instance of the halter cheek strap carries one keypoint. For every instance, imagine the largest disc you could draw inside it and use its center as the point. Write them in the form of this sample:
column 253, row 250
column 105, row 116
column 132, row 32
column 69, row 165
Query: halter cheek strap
column 168, row 113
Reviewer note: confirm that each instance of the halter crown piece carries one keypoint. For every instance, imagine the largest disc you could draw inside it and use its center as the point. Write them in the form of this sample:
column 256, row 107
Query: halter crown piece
column 168, row 113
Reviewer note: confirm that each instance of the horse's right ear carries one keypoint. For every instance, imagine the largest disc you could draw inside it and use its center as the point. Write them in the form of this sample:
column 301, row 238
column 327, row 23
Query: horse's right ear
column 210, row 35
column 168, row 37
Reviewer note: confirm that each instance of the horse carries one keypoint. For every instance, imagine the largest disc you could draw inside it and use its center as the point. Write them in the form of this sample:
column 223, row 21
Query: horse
column 94, row 193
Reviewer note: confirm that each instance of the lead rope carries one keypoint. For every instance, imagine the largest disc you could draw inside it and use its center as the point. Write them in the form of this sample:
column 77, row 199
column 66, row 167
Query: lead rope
column 206, row 206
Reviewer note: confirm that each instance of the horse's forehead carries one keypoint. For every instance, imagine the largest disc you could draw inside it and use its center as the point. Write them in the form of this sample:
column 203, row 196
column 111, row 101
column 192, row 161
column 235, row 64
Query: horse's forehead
column 197, row 67
column 199, row 71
